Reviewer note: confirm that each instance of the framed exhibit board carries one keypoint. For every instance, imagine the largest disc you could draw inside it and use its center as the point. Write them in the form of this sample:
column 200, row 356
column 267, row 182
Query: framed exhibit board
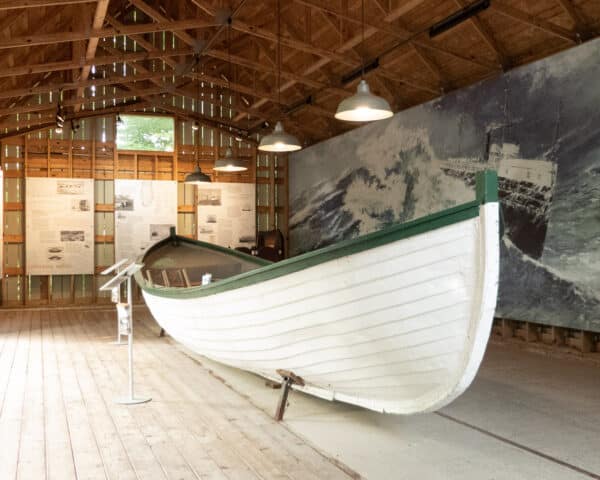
column 145, row 210
column 227, row 214
column 59, row 226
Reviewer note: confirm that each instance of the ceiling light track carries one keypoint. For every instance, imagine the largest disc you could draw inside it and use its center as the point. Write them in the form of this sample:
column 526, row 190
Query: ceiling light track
column 298, row 105
column 360, row 72
column 458, row 17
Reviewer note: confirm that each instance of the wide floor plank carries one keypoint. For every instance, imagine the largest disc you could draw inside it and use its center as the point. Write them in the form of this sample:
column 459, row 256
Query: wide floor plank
column 11, row 413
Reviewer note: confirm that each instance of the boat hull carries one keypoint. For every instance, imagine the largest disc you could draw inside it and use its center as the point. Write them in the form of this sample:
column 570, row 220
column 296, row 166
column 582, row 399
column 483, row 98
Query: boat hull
column 400, row 328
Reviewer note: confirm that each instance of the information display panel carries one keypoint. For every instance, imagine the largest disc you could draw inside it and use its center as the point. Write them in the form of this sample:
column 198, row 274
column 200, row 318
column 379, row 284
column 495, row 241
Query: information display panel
column 59, row 219
column 145, row 210
column 227, row 214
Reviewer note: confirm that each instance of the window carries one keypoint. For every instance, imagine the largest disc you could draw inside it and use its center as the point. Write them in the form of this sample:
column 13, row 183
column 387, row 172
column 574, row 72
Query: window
column 144, row 132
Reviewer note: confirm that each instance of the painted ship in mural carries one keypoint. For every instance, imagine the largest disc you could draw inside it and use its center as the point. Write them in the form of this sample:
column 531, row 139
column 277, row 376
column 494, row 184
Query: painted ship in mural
column 525, row 188
column 395, row 321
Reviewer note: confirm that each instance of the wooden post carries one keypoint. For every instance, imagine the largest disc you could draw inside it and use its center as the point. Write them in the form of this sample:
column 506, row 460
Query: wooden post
column 507, row 329
column 587, row 342
column 24, row 275
column 558, row 336
column 531, row 333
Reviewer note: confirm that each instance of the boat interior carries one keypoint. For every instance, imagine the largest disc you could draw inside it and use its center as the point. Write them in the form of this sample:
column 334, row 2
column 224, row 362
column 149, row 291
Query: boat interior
column 182, row 264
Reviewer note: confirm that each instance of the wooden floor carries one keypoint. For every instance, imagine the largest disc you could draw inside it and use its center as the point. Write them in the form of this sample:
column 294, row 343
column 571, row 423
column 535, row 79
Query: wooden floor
column 59, row 378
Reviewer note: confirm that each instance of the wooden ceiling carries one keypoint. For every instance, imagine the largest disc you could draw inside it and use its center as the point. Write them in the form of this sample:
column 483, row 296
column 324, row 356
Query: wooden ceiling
column 109, row 56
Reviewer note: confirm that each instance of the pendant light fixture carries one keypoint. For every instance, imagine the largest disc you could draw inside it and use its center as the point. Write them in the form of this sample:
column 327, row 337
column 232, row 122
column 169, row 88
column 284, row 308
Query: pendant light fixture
column 229, row 163
column 363, row 106
column 279, row 140
column 197, row 176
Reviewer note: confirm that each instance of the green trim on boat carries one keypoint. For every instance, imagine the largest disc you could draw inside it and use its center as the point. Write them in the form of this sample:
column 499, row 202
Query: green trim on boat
column 268, row 271
column 486, row 186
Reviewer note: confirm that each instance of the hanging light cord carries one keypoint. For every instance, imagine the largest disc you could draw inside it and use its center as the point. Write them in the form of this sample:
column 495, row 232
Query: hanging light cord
column 197, row 111
column 362, row 23
column 279, row 53
column 232, row 75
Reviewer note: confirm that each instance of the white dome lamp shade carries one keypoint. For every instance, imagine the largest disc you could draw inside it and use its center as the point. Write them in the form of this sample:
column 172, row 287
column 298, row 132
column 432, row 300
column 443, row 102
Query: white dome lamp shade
column 229, row 163
column 279, row 141
column 363, row 106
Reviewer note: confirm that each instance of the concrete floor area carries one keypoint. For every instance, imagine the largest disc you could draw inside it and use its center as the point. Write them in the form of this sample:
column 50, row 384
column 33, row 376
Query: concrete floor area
column 527, row 416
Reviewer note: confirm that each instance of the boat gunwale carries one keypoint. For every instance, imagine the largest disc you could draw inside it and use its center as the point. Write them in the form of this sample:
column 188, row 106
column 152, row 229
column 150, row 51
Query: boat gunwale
column 486, row 192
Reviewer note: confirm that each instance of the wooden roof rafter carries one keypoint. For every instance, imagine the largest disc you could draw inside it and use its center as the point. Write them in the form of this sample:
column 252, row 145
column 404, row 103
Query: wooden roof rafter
column 487, row 36
column 36, row 125
column 550, row 28
column 66, row 37
column 404, row 34
column 97, row 23
column 581, row 26
column 16, row 4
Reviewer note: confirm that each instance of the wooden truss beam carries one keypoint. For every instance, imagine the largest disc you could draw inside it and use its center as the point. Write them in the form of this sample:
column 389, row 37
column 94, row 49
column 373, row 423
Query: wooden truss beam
column 10, row 19
column 87, row 103
column 41, row 124
column 137, row 29
column 402, row 33
column 97, row 61
column 21, row 92
column 487, row 36
column 433, row 67
column 527, row 19
column 15, row 4
column 581, row 25
column 220, row 124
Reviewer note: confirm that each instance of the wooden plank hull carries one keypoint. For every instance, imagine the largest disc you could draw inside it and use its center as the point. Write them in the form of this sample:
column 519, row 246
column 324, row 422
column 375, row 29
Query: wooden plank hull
column 400, row 328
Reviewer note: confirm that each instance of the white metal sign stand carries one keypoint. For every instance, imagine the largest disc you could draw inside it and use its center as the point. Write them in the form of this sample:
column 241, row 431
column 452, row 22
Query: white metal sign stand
column 115, row 296
column 125, row 318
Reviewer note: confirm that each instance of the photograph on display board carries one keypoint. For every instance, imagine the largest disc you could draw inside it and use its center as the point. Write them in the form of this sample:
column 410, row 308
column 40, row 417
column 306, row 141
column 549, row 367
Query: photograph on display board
column 209, row 196
column 124, row 202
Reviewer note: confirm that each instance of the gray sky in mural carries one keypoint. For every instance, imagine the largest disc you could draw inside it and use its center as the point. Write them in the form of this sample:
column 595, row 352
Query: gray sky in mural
column 539, row 126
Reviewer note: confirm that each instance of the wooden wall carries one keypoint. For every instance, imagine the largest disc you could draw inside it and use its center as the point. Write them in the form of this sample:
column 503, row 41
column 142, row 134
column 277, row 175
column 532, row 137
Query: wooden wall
column 91, row 153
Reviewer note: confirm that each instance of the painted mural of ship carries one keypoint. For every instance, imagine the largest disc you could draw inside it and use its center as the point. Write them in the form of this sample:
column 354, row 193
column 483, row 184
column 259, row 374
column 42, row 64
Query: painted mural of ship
column 525, row 188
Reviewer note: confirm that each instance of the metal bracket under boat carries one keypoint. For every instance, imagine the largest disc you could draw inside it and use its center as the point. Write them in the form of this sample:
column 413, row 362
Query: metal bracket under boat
column 288, row 379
